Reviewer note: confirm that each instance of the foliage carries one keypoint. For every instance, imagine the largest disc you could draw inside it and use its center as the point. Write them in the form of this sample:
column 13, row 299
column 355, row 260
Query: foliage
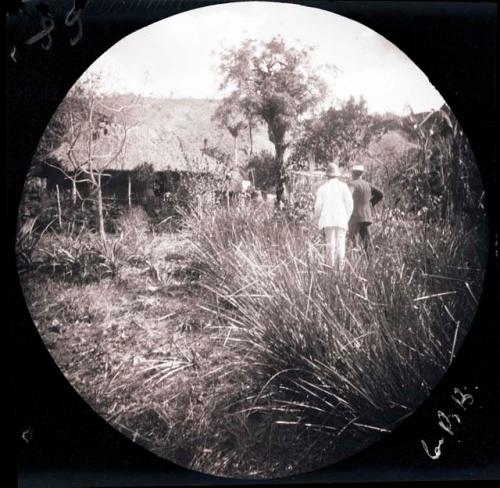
column 82, row 258
column 26, row 241
column 275, row 83
column 145, row 182
column 200, row 183
column 223, row 158
column 198, row 189
column 132, row 222
column 301, row 207
column 143, row 177
column 339, row 134
column 270, row 377
column 263, row 171
column 229, row 116
column 439, row 178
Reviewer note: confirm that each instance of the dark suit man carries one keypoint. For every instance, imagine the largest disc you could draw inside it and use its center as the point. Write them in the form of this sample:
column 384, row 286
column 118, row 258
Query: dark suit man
column 364, row 196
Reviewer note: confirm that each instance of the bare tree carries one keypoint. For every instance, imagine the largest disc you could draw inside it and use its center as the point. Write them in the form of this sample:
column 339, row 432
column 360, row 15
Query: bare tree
column 61, row 136
column 95, row 137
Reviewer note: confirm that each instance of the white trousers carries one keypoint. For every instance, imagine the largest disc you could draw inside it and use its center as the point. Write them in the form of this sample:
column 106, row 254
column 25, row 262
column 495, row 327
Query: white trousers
column 335, row 245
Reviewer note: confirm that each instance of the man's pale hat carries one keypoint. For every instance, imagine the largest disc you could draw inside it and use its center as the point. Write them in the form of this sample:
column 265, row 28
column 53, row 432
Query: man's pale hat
column 333, row 170
column 358, row 167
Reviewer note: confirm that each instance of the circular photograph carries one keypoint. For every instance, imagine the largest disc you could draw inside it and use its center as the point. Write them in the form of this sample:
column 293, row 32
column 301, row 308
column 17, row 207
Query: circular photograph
column 253, row 238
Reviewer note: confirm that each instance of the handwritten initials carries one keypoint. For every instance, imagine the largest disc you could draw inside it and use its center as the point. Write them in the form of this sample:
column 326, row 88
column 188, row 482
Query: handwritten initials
column 462, row 399
column 445, row 422
column 437, row 449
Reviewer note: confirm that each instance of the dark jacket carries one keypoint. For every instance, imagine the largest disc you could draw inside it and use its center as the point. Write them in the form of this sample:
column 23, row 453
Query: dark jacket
column 364, row 196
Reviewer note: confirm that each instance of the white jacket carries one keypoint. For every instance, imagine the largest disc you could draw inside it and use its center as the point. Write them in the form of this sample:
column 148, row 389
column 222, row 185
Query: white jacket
column 333, row 205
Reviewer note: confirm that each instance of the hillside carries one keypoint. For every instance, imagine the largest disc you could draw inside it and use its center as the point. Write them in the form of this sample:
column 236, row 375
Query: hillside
column 173, row 133
column 169, row 122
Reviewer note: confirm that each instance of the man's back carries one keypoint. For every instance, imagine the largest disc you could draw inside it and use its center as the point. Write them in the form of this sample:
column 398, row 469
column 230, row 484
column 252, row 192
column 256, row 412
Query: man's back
column 363, row 196
column 333, row 204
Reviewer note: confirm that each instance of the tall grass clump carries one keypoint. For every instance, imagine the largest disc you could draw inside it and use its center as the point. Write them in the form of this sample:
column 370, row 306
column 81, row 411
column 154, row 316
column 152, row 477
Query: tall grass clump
column 82, row 256
column 333, row 360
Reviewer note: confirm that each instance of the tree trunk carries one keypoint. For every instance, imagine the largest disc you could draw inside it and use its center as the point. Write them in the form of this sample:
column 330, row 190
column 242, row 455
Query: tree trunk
column 250, row 134
column 100, row 211
column 236, row 151
column 280, row 186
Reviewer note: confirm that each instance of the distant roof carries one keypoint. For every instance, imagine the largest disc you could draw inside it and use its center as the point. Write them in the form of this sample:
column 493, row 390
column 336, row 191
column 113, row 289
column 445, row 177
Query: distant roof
column 142, row 144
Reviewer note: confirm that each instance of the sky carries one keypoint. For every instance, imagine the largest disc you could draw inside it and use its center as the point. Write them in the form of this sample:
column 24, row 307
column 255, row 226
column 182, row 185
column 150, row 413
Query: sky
column 178, row 56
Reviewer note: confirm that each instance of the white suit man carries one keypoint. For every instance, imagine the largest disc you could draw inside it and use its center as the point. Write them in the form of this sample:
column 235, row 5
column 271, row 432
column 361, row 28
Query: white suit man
column 333, row 209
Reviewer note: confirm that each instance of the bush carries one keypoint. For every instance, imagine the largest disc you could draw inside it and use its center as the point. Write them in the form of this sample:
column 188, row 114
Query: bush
column 134, row 221
column 438, row 178
column 26, row 241
column 264, row 170
column 301, row 206
column 82, row 214
column 80, row 259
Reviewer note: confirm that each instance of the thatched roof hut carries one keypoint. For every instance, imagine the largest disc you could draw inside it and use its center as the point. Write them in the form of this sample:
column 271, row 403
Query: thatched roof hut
column 124, row 150
column 170, row 134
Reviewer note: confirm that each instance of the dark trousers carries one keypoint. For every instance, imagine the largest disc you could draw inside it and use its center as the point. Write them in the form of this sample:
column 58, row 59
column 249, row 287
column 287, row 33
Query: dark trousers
column 361, row 230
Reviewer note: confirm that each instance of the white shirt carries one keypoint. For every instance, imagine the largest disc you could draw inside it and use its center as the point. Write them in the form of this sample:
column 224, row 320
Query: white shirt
column 333, row 205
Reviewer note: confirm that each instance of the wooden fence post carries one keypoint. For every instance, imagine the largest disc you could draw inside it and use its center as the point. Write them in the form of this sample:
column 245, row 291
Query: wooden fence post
column 129, row 191
column 59, row 217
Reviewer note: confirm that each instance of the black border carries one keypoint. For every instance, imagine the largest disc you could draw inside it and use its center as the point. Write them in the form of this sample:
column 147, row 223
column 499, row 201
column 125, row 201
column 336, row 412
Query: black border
column 454, row 43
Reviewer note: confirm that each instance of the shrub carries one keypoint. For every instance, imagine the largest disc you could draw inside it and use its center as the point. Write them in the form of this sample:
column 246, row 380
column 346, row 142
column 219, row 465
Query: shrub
column 301, row 206
column 263, row 168
column 439, row 177
column 133, row 222
column 26, row 241
column 75, row 216
column 78, row 258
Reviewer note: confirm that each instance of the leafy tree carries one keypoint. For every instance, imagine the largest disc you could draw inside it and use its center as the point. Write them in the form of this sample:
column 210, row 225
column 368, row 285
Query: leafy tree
column 338, row 133
column 229, row 115
column 275, row 84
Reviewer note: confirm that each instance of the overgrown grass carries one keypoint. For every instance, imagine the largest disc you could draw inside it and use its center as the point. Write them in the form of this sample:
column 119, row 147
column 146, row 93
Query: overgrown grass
column 234, row 349
column 81, row 256
column 333, row 360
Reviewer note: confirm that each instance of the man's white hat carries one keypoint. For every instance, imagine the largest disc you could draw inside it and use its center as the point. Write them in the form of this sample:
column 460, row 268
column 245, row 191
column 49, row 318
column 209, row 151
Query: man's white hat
column 358, row 167
column 333, row 170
